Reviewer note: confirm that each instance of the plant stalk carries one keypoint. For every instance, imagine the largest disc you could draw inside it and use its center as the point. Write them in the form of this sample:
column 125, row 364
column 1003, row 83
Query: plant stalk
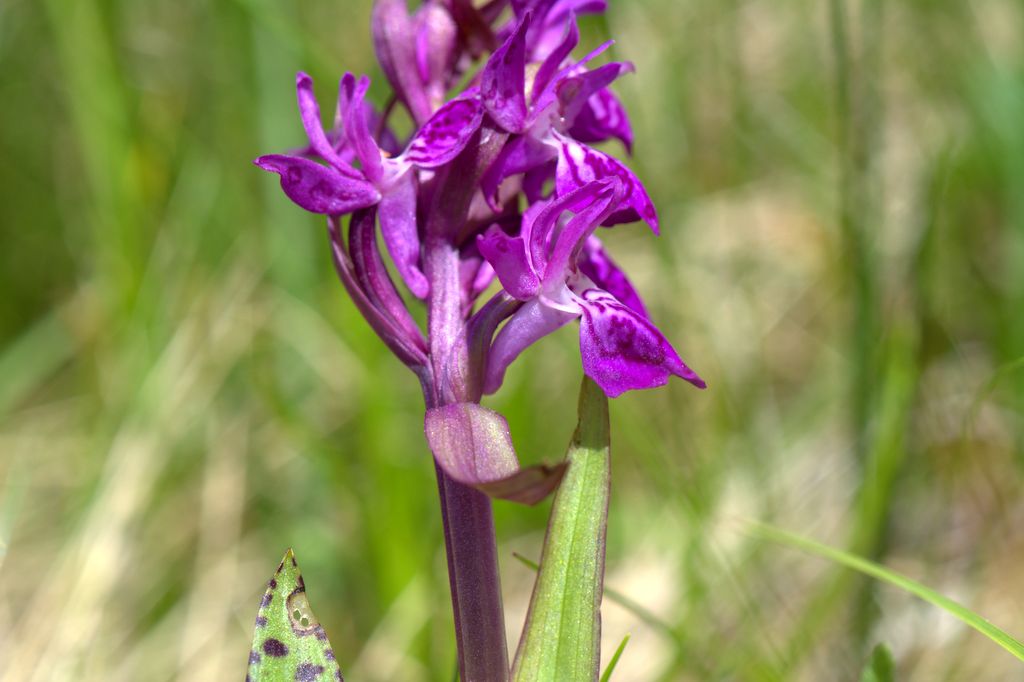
column 468, row 518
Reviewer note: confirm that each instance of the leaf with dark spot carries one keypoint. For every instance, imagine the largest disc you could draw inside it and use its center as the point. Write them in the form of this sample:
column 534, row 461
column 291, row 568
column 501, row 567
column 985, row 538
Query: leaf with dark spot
column 289, row 644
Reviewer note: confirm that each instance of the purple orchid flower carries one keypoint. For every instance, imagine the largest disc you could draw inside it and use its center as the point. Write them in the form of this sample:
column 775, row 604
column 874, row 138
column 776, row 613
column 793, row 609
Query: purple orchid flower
column 602, row 117
column 563, row 98
column 499, row 181
column 621, row 349
column 389, row 183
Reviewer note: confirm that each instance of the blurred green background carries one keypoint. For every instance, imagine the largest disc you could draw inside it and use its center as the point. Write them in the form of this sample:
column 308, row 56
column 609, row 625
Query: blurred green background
column 185, row 390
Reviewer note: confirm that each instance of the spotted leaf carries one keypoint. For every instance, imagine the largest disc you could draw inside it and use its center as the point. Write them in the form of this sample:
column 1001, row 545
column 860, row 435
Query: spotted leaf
column 289, row 644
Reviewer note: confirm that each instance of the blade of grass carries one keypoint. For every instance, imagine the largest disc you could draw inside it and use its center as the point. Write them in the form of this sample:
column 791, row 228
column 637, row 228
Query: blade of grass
column 100, row 112
column 615, row 660
column 878, row 572
column 33, row 357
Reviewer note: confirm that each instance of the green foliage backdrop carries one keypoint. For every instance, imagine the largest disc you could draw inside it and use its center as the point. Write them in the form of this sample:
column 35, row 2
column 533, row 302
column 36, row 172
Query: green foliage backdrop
column 185, row 391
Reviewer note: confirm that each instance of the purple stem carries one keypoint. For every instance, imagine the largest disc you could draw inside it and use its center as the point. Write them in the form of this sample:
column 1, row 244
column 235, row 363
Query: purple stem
column 466, row 512
column 468, row 519
column 475, row 582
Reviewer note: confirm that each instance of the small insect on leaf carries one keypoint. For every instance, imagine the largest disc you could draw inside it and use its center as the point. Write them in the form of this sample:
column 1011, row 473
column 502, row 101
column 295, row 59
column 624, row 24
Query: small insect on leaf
column 289, row 644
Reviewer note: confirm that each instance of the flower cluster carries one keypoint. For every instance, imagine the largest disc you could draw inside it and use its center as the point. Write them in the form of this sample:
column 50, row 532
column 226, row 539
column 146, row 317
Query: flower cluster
column 499, row 181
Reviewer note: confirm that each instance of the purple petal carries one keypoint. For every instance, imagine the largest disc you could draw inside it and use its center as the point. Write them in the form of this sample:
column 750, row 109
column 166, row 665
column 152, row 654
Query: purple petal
column 603, row 118
column 596, row 264
column 579, row 164
column 521, row 154
column 475, row 273
column 575, row 91
column 358, row 133
column 559, row 54
column 543, row 228
column 592, row 205
column 547, row 33
column 316, row 188
column 346, row 93
column 544, row 100
column 373, row 277
column 507, row 255
column 436, row 43
column 532, row 322
column 623, row 351
column 401, row 236
column 473, row 446
column 395, row 43
column 503, row 85
column 309, row 110
column 399, row 344
column 446, row 134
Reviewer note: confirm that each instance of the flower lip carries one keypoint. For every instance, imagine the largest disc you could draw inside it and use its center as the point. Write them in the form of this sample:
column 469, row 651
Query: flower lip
column 623, row 351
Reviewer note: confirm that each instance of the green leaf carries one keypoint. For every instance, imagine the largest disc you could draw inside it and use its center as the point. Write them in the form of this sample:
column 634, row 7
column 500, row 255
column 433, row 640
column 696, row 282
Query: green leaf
column 561, row 638
column 607, row 675
column 869, row 568
column 289, row 644
column 627, row 603
column 880, row 667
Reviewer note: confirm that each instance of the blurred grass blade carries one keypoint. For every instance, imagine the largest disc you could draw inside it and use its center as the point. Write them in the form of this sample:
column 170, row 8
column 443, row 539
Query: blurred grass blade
column 880, row 667
column 562, row 635
column 33, row 357
column 869, row 568
column 289, row 643
column 615, row 660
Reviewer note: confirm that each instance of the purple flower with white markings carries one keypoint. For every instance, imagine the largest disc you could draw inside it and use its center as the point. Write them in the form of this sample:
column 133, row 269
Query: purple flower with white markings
column 389, row 183
column 498, row 182
column 546, row 266
column 564, row 97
